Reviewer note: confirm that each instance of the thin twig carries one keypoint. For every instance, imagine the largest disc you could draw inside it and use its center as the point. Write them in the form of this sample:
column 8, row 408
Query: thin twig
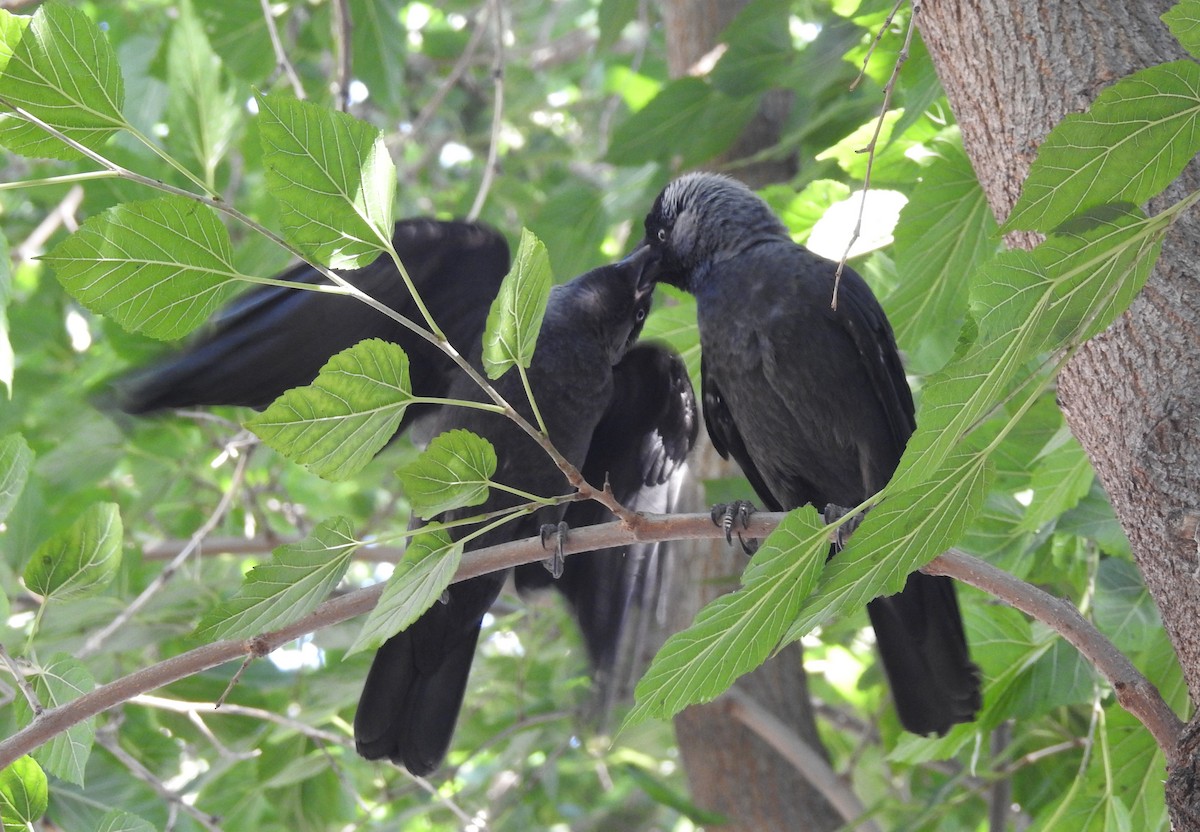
column 63, row 214
column 489, row 168
column 281, row 59
column 888, row 89
column 174, row 798
column 1134, row 692
column 179, row 706
column 862, row 73
column 96, row 639
column 23, row 683
column 433, row 105
column 807, row 762
column 343, row 25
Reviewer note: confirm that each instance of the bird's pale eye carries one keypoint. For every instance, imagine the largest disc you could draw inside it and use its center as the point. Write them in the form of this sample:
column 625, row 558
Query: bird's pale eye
column 662, row 235
column 640, row 315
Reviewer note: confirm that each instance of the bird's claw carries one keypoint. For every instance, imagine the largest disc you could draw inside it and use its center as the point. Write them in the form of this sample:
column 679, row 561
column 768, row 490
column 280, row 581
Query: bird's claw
column 841, row 536
column 554, row 563
column 731, row 517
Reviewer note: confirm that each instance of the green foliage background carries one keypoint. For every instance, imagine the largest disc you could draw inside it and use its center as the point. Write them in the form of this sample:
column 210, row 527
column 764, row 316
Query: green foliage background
column 591, row 128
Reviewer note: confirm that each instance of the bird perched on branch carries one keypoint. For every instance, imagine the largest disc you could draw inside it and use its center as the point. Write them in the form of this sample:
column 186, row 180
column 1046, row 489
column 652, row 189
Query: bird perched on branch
column 812, row 403
column 619, row 411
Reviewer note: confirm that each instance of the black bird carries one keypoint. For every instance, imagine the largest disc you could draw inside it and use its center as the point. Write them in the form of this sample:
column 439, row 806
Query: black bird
column 813, row 404
column 638, row 448
column 413, row 694
column 274, row 338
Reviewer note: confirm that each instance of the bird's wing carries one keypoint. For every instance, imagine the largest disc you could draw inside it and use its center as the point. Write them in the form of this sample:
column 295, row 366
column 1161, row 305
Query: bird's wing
column 274, row 338
column 723, row 431
column 639, row 448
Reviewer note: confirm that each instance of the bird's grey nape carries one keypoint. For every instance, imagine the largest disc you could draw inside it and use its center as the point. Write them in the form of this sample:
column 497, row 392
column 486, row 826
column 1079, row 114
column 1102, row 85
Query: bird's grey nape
column 715, row 216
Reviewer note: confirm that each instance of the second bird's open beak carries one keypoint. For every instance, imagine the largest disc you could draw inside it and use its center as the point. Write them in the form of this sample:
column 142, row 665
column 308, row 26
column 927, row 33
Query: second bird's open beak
column 646, row 263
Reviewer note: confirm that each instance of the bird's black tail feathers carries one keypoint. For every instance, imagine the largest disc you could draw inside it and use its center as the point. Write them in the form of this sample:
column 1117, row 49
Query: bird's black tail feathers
column 924, row 649
column 414, row 691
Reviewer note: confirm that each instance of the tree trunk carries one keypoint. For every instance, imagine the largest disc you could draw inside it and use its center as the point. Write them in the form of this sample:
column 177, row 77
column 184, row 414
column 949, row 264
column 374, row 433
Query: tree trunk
column 1132, row 395
column 731, row 770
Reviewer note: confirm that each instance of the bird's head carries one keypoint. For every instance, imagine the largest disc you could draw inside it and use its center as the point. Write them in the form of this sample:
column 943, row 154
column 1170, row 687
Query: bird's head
column 702, row 218
column 615, row 299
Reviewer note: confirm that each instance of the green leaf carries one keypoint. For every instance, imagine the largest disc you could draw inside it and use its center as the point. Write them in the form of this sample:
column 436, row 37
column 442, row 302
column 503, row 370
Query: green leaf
column 61, row 680
column 664, row 795
column 7, row 359
column 376, row 48
column 759, row 49
column 298, row 578
column 23, row 795
column 1134, row 139
column 335, row 425
column 333, row 178
column 737, row 632
column 945, row 232
column 159, row 267
column 427, row 568
column 81, row 560
column 901, row 534
column 1059, row 677
column 801, row 211
column 118, row 821
column 63, row 71
column 1124, row 610
column 454, row 471
column 15, row 461
column 613, row 17
column 1061, row 479
column 1184, row 22
column 515, row 318
column 202, row 111
column 1066, row 290
column 688, row 119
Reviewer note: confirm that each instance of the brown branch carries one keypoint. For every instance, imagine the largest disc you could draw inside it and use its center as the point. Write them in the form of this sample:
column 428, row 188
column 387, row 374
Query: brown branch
column 811, row 765
column 56, row 720
column 1134, row 691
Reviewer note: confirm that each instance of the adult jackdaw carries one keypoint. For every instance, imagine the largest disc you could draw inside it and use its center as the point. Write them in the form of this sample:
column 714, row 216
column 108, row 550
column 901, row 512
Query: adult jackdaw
column 813, row 404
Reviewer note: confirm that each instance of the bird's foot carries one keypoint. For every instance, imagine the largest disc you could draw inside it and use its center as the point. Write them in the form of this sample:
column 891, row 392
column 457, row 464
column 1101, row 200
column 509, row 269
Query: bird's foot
column 841, row 536
column 558, row 532
column 730, row 516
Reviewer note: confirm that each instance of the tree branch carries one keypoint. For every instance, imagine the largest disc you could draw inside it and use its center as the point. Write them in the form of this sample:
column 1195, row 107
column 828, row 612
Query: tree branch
column 1134, row 691
column 801, row 756
column 54, row 721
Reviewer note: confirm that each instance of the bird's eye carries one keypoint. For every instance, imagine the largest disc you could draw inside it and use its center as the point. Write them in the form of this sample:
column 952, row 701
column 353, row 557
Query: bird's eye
column 640, row 315
column 662, row 235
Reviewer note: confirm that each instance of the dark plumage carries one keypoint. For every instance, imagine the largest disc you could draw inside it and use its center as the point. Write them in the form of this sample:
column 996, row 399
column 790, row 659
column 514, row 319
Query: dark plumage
column 412, row 695
column 639, row 447
column 271, row 339
column 812, row 403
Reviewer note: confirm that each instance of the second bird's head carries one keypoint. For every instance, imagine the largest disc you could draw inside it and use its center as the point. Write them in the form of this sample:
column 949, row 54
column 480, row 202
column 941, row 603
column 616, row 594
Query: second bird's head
column 615, row 299
column 702, row 218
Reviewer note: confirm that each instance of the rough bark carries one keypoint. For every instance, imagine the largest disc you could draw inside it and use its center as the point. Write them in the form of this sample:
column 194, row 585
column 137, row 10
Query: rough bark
column 730, row 769
column 1132, row 395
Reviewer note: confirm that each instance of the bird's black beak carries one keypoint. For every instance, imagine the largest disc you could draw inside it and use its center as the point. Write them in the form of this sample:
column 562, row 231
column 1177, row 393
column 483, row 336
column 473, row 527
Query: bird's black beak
column 645, row 263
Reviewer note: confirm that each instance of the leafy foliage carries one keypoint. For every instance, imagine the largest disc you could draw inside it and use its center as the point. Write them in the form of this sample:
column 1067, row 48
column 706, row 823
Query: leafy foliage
column 192, row 99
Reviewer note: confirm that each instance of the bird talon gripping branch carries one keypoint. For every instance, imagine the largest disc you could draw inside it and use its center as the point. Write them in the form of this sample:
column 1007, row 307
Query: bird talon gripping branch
column 735, row 516
column 554, row 563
